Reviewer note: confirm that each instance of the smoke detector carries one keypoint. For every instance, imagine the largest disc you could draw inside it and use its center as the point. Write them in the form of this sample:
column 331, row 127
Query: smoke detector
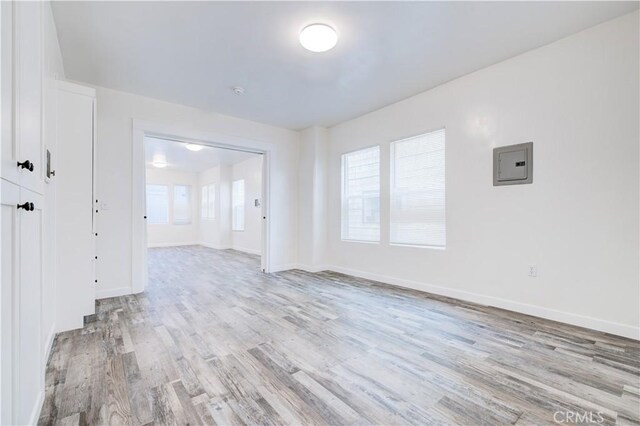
column 238, row 90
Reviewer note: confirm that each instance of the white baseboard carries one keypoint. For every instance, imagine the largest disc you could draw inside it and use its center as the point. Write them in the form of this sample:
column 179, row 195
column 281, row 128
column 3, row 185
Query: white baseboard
column 221, row 247
column 213, row 246
column 49, row 344
column 113, row 292
column 35, row 414
column 312, row 268
column 285, row 267
column 37, row 408
column 247, row 250
column 156, row 245
column 510, row 305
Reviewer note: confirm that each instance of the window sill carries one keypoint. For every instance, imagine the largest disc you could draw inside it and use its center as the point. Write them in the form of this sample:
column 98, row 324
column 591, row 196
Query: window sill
column 360, row 241
column 441, row 248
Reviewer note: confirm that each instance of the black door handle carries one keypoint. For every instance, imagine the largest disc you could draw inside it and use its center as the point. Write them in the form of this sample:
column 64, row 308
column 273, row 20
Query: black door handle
column 26, row 164
column 27, row 206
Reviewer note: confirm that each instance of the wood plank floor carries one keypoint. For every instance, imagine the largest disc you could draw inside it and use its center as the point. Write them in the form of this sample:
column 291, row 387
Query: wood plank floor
column 214, row 341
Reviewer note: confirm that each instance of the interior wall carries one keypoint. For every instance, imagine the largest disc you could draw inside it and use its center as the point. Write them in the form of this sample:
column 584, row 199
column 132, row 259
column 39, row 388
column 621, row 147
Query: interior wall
column 217, row 233
column 577, row 100
column 167, row 235
column 116, row 112
column 249, row 240
column 313, row 191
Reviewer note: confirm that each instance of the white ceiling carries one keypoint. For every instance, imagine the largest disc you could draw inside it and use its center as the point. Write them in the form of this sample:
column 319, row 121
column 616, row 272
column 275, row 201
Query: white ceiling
column 192, row 53
column 180, row 158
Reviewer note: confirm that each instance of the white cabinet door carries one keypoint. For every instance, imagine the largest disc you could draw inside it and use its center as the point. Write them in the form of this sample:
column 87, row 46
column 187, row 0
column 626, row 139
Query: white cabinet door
column 75, row 206
column 10, row 231
column 28, row 93
column 29, row 362
column 8, row 169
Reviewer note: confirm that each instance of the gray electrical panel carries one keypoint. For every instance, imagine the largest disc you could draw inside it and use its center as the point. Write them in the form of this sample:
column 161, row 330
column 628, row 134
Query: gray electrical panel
column 513, row 164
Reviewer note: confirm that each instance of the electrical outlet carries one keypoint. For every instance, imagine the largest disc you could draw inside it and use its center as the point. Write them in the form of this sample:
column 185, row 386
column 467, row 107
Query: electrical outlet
column 533, row 271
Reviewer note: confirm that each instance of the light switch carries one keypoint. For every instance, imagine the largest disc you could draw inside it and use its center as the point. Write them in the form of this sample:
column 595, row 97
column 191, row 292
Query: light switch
column 513, row 164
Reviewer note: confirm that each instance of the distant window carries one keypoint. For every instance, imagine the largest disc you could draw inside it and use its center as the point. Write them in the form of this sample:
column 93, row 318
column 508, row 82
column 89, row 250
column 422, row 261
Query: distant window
column 181, row 204
column 361, row 195
column 418, row 190
column 157, row 204
column 208, row 201
column 237, row 205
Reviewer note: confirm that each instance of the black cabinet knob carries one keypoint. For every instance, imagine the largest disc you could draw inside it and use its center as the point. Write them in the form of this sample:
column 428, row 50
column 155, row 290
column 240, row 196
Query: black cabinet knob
column 27, row 206
column 26, row 164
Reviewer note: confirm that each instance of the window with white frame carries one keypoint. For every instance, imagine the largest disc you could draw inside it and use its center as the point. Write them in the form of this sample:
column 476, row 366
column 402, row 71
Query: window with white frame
column 208, row 201
column 361, row 195
column 237, row 205
column 157, row 204
column 417, row 214
column 181, row 204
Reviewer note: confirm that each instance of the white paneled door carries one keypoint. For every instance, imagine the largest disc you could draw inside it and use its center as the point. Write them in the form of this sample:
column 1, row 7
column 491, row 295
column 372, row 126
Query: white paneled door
column 21, row 214
column 28, row 94
column 29, row 292
column 9, row 199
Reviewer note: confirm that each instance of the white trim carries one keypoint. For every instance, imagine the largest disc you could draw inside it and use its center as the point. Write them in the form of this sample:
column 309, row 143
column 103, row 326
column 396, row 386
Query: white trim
column 312, row 268
column 140, row 128
column 49, row 345
column 247, row 250
column 77, row 88
column 285, row 267
column 524, row 308
column 213, row 246
column 35, row 415
column 114, row 292
column 219, row 247
column 510, row 305
column 37, row 407
column 188, row 243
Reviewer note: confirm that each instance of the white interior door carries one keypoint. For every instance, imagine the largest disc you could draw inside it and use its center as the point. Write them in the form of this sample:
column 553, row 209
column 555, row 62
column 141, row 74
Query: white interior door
column 9, row 153
column 30, row 366
column 9, row 198
column 28, row 93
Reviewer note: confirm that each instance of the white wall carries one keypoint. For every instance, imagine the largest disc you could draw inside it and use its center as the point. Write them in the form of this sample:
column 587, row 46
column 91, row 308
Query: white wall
column 249, row 240
column 170, row 234
column 114, row 176
column 217, row 233
column 313, row 192
column 577, row 100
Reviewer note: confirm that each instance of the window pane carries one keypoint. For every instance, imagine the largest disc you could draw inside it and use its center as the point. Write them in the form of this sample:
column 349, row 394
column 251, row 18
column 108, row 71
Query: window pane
column 418, row 190
column 203, row 202
column 157, row 204
column 361, row 195
column 181, row 204
column 237, row 205
column 211, row 206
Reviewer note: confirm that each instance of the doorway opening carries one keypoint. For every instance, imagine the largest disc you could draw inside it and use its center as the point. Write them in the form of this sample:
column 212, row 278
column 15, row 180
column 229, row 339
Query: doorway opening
column 201, row 197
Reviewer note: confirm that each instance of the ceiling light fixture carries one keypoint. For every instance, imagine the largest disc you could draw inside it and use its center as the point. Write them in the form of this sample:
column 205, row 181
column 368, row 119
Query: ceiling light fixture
column 159, row 164
column 318, row 37
column 193, row 147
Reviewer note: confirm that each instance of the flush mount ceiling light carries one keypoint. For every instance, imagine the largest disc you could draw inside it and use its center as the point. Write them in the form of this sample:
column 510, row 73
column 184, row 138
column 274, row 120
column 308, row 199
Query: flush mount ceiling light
column 159, row 164
column 318, row 37
column 193, row 147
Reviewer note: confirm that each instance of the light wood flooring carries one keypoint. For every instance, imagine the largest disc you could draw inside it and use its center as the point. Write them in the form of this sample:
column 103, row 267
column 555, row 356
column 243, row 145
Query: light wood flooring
column 215, row 341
